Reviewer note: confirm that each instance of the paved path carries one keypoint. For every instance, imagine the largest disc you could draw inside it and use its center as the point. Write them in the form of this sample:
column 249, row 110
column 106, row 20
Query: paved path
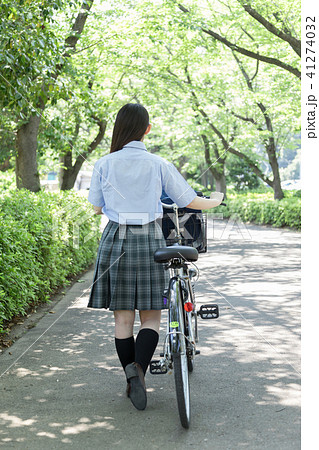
column 62, row 386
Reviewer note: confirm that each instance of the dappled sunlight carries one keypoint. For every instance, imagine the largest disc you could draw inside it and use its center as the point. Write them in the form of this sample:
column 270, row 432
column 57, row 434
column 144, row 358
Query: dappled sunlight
column 80, row 301
column 14, row 421
column 245, row 381
column 71, row 351
column 286, row 394
column 256, row 284
column 23, row 372
column 46, row 434
column 250, row 342
column 221, row 81
column 51, row 431
column 84, row 426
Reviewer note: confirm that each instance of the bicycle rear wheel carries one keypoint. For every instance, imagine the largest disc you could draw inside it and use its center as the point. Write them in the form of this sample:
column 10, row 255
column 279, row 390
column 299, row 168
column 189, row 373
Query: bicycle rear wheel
column 190, row 364
column 191, row 322
column 180, row 365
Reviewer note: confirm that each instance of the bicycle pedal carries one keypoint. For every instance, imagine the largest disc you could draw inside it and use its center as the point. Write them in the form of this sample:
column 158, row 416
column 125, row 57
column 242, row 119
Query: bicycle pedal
column 156, row 368
column 208, row 311
column 197, row 352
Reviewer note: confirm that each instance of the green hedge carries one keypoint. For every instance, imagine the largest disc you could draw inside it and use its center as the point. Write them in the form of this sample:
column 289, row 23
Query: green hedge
column 44, row 239
column 263, row 209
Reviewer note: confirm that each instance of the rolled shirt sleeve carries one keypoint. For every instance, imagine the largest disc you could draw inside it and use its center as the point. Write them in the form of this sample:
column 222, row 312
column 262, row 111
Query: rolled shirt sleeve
column 95, row 194
column 176, row 187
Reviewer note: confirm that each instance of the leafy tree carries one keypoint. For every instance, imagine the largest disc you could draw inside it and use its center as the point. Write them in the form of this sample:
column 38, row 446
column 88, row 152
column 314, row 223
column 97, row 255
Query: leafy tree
column 292, row 170
column 7, row 137
column 208, row 100
column 240, row 175
column 34, row 56
column 274, row 24
column 257, row 113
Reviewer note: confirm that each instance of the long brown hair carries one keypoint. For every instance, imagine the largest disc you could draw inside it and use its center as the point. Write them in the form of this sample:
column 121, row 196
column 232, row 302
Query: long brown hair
column 131, row 123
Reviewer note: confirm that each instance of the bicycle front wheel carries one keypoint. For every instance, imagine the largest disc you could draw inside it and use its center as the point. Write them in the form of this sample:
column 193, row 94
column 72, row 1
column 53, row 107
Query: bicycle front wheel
column 180, row 365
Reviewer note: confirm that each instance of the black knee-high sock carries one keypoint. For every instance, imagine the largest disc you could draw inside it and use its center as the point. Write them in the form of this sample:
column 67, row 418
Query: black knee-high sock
column 126, row 350
column 145, row 346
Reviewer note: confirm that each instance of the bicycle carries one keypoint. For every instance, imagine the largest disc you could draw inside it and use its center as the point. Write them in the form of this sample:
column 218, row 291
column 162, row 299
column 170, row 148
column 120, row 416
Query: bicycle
column 179, row 348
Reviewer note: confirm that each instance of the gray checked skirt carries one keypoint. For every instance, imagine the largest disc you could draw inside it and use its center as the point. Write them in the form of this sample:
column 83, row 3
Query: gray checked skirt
column 126, row 276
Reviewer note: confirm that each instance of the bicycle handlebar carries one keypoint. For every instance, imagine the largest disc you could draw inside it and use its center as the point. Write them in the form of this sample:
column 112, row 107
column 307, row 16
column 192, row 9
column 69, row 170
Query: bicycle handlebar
column 169, row 205
column 173, row 205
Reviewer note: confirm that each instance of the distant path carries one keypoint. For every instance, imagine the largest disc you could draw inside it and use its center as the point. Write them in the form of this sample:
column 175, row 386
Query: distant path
column 67, row 390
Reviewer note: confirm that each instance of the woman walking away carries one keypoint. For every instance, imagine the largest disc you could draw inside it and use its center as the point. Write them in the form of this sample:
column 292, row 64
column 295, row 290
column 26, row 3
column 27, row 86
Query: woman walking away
column 126, row 186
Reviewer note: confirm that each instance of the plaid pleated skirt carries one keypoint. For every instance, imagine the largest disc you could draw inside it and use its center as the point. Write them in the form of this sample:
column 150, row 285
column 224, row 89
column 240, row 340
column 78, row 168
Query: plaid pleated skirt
column 126, row 276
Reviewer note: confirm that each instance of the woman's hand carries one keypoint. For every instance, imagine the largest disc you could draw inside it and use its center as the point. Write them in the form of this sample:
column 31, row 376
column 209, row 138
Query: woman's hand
column 218, row 196
column 206, row 203
column 97, row 209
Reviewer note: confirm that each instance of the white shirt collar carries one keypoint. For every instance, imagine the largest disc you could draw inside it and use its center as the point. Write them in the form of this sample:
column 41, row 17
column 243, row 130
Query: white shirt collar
column 135, row 144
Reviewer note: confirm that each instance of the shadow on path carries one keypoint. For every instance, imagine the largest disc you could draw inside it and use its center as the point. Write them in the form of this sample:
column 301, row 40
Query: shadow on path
column 68, row 389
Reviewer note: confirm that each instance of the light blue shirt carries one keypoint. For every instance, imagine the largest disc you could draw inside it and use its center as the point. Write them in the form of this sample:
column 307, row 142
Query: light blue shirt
column 128, row 184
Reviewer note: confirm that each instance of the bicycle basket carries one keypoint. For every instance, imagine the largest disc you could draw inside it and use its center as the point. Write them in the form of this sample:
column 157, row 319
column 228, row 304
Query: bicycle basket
column 193, row 228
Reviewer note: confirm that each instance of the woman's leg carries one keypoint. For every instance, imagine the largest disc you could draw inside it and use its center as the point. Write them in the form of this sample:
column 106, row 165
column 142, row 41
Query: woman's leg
column 150, row 319
column 124, row 340
column 147, row 338
column 124, row 322
column 146, row 342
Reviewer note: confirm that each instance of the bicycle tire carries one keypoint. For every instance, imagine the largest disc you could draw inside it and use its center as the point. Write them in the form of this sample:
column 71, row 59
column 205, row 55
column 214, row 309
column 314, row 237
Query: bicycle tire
column 190, row 359
column 180, row 365
column 190, row 364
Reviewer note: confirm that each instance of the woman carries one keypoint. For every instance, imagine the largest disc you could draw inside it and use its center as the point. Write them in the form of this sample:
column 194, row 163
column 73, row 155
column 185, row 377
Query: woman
column 126, row 186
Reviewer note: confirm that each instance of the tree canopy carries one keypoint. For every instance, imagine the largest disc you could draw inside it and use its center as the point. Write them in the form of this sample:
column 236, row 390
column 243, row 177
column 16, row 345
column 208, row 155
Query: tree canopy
column 221, row 80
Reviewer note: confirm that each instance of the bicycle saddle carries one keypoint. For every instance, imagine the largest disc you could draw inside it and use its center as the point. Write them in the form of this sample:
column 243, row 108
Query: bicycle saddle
column 165, row 254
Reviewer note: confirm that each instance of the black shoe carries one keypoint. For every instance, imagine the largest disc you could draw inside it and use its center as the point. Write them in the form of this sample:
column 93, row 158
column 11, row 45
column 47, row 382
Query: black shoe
column 137, row 393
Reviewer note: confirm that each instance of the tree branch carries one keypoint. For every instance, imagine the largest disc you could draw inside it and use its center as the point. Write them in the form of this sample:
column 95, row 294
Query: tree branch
column 250, row 54
column 83, row 156
column 256, row 72
column 77, row 28
column 118, row 85
column 238, row 116
column 251, row 164
column 285, row 36
column 244, row 51
column 241, row 155
column 208, row 160
column 260, row 105
column 269, row 141
column 89, row 46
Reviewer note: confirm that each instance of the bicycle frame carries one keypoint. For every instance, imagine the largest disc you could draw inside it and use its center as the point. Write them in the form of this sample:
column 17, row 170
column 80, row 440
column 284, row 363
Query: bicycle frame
column 181, row 334
column 178, row 319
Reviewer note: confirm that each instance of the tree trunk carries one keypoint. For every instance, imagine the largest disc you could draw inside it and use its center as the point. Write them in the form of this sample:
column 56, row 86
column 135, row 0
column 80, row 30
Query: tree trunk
column 220, row 182
column 182, row 160
column 272, row 157
column 67, row 181
column 218, row 174
column 269, row 143
column 206, row 178
column 278, row 192
column 68, row 170
column 67, row 174
column 27, row 175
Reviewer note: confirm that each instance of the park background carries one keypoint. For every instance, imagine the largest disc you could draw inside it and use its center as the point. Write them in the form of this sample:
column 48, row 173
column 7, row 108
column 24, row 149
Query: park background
column 221, row 81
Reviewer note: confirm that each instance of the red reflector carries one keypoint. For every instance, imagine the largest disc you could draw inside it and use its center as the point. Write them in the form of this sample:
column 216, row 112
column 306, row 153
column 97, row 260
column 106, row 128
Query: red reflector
column 188, row 306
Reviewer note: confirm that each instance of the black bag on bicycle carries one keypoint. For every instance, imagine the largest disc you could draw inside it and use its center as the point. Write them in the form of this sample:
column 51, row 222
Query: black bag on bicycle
column 192, row 222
